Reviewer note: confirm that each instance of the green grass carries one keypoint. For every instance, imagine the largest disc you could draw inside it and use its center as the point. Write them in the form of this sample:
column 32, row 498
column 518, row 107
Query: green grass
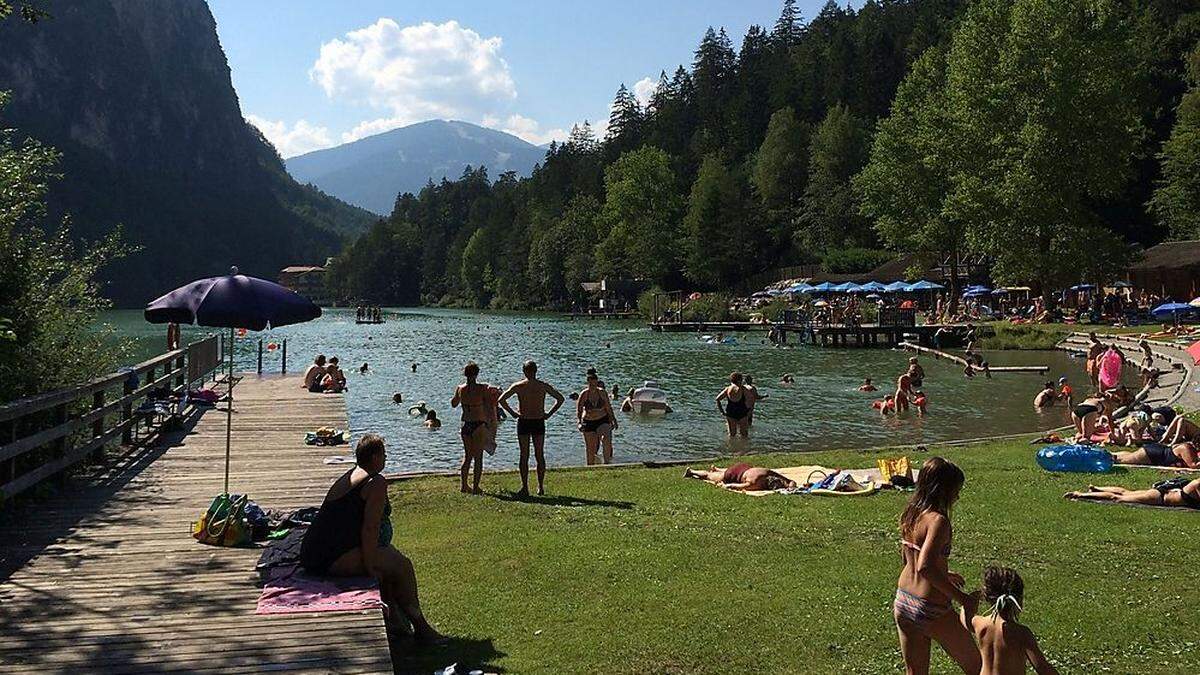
column 640, row 571
column 1044, row 336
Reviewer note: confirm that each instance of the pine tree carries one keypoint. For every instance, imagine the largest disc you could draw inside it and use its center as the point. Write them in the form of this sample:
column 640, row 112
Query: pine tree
column 1176, row 201
column 829, row 218
column 789, row 28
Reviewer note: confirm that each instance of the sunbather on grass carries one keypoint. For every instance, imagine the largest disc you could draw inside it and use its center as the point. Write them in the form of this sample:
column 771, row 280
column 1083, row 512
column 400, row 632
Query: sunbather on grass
column 1165, row 493
column 742, row 476
column 1181, row 429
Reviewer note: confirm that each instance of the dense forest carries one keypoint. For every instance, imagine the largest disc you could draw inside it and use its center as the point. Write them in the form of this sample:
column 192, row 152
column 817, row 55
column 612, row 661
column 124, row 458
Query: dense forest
column 1051, row 136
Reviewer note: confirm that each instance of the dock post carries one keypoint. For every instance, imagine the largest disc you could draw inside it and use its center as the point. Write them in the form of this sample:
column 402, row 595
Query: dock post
column 98, row 425
column 283, row 367
column 260, row 356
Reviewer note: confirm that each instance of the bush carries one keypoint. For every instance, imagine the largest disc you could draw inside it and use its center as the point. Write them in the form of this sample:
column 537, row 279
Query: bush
column 773, row 310
column 711, row 307
column 854, row 260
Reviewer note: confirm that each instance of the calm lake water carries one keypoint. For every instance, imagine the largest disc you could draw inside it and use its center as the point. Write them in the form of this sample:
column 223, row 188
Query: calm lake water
column 823, row 409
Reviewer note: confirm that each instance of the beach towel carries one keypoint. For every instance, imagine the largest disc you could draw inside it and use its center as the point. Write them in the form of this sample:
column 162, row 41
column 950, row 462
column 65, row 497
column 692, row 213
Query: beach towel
column 805, row 474
column 291, row 590
column 1110, row 369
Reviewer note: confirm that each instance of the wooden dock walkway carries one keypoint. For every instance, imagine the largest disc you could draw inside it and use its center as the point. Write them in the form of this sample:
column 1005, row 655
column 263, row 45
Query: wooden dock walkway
column 103, row 576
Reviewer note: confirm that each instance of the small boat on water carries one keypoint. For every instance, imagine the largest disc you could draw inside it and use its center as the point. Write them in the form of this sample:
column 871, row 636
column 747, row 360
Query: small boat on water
column 369, row 321
column 649, row 399
column 718, row 340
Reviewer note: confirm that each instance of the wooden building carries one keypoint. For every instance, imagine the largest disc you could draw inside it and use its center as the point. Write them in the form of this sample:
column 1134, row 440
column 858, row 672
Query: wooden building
column 1170, row 270
column 307, row 280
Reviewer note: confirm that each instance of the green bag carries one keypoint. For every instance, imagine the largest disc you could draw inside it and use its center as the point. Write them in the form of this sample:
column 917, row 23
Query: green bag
column 224, row 523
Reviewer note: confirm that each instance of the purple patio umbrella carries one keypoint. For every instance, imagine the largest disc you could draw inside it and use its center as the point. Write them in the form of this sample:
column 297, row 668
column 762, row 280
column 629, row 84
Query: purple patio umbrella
column 232, row 301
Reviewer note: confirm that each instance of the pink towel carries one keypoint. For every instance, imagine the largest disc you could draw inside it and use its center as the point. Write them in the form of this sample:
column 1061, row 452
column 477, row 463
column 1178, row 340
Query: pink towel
column 290, row 591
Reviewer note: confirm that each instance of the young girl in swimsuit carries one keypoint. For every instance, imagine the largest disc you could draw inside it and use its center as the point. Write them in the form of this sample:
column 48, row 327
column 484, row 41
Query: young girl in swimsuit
column 1004, row 645
column 926, row 586
column 593, row 409
column 1085, row 415
column 474, row 431
column 736, row 409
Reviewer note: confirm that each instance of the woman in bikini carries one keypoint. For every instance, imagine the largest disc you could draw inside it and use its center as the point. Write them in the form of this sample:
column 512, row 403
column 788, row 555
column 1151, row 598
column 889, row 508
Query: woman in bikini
column 737, row 408
column 926, row 586
column 742, row 476
column 1085, row 415
column 593, row 409
column 1170, row 493
column 474, row 432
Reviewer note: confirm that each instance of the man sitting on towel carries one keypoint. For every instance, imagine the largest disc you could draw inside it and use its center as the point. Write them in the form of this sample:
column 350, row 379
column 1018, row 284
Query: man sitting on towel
column 742, row 476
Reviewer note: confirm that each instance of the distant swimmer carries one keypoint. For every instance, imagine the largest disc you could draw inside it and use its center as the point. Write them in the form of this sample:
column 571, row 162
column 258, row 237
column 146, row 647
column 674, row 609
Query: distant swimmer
column 915, row 372
column 414, row 366
column 397, row 398
column 921, row 403
column 1046, row 397
column 362, row 370
column 867, row 386
column 787, row 379
column 531, row 417
column 432, row 421
column 885, row 406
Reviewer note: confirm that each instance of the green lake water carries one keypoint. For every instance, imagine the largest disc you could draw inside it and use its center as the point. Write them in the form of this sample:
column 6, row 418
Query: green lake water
column 823, row 409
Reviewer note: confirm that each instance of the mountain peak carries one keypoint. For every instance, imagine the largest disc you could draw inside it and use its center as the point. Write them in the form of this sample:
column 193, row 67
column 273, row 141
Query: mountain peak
column 372, row 171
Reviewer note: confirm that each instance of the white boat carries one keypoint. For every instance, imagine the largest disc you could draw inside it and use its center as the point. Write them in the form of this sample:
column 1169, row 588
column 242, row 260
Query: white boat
column 649, row 399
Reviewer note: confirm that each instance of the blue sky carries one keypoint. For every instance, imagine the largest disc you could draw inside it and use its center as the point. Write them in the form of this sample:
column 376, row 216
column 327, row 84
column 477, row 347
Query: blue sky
column 315, row 73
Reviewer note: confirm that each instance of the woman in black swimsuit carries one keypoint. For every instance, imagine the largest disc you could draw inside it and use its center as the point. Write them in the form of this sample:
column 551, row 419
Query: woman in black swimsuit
column 736, row 409
column 474, row 431
column 352, row 534
column 1166, row 493
column 1086, row 415
column 593, row 409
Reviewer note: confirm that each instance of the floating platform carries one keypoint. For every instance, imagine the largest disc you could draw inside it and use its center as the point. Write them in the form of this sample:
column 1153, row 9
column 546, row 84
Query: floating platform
column 602, row 315
column 938, row 354
column 369, row 321
column 861, row 336
column 708, row 326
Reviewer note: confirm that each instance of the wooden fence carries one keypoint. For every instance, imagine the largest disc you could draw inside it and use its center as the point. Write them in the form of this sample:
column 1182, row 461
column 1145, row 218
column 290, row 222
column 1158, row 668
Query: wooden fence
column 46, row 434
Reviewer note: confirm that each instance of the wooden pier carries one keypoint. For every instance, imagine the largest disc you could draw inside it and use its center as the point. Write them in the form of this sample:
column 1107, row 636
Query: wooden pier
column 859, row 336
column 708, row 326
column 938, row 354
column 102, row 575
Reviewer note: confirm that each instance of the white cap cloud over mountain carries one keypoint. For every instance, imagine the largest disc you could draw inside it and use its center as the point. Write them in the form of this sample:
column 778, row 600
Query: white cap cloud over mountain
column 299, row 138
column 415, row 73
column 643, row 89
column 525, row 128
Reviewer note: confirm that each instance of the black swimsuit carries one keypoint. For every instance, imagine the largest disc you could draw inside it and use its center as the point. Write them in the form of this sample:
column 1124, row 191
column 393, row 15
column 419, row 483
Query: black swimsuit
column 336, row 530
column 591, row 426
column 736, row 410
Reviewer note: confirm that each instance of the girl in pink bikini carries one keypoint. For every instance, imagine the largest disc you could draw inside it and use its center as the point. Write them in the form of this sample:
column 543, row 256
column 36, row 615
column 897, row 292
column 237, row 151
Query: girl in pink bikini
column 927, row 586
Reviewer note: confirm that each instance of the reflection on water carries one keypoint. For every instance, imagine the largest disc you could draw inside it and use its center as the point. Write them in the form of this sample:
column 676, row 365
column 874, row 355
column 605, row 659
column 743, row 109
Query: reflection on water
column 822, row 409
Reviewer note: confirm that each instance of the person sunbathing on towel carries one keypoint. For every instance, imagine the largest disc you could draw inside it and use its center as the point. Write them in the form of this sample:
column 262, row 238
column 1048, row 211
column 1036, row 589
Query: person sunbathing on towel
column 1165, row 493
column 742, row 476
column 1156, row 454
column 1181, row 429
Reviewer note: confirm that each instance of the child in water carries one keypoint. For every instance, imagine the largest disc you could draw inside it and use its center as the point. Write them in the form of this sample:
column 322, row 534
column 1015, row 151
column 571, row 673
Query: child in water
column 867, row 386
column 920, row 401
column 887, row 405
column 1004, row 645
column 432, row 421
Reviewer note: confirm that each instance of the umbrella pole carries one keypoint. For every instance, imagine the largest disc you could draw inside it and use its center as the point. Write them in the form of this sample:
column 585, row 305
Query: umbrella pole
column 229, row 413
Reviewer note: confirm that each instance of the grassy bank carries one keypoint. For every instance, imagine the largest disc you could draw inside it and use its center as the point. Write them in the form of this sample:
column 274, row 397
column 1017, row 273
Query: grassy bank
column 1044, row 336
column 639, row 570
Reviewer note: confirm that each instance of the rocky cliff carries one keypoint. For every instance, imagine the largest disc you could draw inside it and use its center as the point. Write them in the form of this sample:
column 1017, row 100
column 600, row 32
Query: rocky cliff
column 137, row 96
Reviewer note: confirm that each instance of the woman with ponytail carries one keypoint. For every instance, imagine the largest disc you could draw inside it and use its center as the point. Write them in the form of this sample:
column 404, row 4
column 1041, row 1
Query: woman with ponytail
column 927, row 586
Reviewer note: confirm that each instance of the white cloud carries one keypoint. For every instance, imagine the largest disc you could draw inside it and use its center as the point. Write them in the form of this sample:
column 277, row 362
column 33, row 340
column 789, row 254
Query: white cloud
column 298, row 139
column 643, row 89
column 376, row 126
column 416, row 72
column 526, row 128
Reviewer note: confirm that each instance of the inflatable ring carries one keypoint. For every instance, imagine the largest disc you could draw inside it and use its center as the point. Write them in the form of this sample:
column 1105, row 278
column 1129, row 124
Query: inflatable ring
column 418, row 410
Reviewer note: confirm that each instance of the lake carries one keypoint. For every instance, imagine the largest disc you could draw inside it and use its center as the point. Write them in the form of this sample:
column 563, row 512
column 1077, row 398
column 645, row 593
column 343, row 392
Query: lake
column 822, row 409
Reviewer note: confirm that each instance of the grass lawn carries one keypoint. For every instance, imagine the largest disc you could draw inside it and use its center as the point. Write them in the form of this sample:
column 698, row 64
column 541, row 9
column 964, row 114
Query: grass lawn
column 1046, row 336
column 640, row 571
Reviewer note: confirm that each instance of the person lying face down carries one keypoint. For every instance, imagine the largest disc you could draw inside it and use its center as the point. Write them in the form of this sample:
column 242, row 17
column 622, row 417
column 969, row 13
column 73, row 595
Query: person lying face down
column 743, row 476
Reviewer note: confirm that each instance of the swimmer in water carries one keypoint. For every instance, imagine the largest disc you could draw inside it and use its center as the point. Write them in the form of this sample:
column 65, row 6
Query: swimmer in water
column 397, row 398
column 887, row 405
column 867, row 386
column 362, row 370
column 920, row 402
column 1046, row 397
column 414, row 366
column 432, row 421
column 737, row 409
column 787, row 379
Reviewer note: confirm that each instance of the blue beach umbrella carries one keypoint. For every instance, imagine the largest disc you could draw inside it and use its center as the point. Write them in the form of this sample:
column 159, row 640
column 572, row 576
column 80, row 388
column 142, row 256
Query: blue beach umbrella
column 846, row 288
column 824, row 287
column 977, row 293
column 1172, row 309
column 232, row 301
column 896, row 287
column 800, row 288
column 775, row 292
column 873, row 287
column 923, row 285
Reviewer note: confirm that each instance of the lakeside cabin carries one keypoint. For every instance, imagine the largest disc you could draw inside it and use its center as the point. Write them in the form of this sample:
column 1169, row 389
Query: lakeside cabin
column 307, row 280
column 1170, row 270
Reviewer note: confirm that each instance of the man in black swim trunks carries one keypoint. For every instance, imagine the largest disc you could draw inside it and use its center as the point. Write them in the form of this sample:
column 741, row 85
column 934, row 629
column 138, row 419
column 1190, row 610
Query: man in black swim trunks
column 531, row 421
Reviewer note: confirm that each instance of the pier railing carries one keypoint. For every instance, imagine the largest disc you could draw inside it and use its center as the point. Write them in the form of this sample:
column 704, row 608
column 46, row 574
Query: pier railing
column 44, row 435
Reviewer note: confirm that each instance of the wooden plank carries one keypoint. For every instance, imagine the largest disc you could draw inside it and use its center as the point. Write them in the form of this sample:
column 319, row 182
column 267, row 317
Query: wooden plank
column 106, row 577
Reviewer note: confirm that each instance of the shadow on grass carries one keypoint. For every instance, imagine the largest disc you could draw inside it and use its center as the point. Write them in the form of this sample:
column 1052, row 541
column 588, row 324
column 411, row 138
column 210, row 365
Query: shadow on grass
column 467, row 654
column 562, row 500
